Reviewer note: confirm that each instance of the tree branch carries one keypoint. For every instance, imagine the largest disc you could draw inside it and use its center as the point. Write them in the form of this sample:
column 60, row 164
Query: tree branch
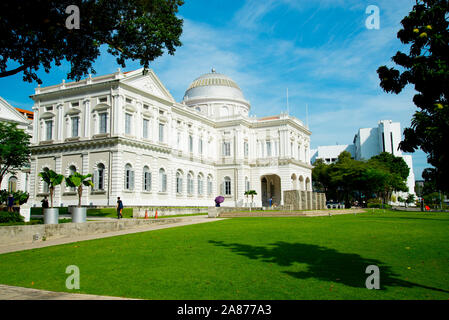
column 11, row 72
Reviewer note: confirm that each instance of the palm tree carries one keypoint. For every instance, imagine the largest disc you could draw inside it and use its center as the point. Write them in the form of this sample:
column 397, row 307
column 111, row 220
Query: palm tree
column 52, row 179
column 251, row 193
column 77, row 180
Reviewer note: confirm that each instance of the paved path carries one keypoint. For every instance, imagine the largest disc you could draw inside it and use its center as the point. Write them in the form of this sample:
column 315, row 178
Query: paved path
column 18, row 293
column 182, row 221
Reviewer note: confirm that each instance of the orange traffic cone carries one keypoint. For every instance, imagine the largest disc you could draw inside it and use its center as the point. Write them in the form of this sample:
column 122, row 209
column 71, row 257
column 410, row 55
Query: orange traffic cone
column 155, row 217
column 146, row 214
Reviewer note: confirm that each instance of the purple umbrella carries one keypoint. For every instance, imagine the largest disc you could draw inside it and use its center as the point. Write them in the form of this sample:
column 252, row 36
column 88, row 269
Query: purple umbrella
column 219, row 200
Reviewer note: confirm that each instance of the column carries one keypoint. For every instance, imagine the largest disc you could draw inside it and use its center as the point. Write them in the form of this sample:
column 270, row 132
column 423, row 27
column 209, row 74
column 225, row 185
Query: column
column 58, row 189
column 86, row 118
column 117, row 114
column 85, row 171
column 59, row 135
column 36, row 124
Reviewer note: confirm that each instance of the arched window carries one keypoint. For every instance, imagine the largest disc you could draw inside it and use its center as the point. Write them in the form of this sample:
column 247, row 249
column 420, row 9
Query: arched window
column 247, row 184
column 99, row 177
column 72, row 170
column 179, row 182
column 162, row 180
column 209, row 185
column 12, row 184
column 146, row 179
column 45, row 187
column 190, row 183
column 227, row 186
column 129, row 177
column 200, row 184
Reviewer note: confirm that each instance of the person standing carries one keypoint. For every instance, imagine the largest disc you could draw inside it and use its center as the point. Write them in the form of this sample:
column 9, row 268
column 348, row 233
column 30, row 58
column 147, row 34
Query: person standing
column 10, row 202
column 119, row 208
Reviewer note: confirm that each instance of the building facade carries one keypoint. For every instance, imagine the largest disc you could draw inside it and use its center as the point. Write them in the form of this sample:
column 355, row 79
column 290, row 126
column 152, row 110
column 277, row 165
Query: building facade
column 369, row 142
column 20, row 179
column 141, row 145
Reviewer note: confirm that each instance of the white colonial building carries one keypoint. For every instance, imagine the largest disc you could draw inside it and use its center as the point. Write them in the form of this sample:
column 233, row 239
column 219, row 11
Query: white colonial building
column 140, row 144
column 18, row 180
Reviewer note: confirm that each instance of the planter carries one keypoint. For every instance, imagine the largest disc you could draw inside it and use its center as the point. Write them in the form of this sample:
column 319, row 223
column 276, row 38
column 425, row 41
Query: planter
column 78, row 214
column 51, row 216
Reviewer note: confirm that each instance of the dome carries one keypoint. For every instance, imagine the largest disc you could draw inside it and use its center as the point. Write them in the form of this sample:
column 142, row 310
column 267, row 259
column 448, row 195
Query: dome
column 214, row 86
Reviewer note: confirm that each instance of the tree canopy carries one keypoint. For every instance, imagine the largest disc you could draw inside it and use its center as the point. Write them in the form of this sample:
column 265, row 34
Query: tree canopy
column 14, row 148
column 425, row 31
column 34, row 34
column 349, row 179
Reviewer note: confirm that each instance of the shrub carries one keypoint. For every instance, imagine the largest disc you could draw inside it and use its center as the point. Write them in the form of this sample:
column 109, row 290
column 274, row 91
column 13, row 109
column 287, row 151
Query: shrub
column 10, row 217
column 377, row 203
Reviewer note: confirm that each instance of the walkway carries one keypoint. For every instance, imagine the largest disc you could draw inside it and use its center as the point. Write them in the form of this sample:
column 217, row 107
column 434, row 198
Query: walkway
column 18, row 293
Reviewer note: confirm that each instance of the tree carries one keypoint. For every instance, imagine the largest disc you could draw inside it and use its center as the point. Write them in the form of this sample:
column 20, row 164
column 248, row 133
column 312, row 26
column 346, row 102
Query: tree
column 14, row 148
column 320, row 175
column 426, row 66
column 52, row 179
column 251, row 193
column 77, row 180
column 35, row 33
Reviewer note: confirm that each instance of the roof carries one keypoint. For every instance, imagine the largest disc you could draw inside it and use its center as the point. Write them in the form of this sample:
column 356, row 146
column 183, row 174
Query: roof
column 27, row 113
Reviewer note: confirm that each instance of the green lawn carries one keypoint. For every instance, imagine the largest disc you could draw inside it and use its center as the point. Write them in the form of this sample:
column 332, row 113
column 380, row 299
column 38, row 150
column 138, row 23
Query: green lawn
column 254, row 258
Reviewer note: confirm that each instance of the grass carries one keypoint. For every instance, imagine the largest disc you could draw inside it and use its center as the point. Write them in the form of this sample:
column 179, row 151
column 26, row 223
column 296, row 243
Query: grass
column 254, row 258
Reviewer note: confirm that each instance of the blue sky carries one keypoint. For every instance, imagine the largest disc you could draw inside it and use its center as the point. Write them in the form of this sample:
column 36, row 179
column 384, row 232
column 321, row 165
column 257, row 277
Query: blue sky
column 320, row 50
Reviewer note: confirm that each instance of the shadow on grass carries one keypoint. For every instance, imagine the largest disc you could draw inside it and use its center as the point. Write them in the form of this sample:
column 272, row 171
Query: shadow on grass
column 322, row 263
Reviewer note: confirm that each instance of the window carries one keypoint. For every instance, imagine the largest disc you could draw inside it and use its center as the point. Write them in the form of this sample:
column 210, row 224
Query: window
column 190, row 183
column 146, row 179
column 200, row 146
column 161, row 132
column 227, row 186
column 75, row 104
column 75, row 126
column 247, row 184
column 72, row 170
column 209, row 185
column 99, row 177
column 129, row 177
column 226, row 149
column 128, row 119
column 145, row 128
column 12, row 184
column 178, row 182
column 269, row 148
column 103, row 100
column 190, row 143
column 200, row 184
column 103, row 122
column 162, row 180
column 245, row 149
column 48, row 129
column 45, row 187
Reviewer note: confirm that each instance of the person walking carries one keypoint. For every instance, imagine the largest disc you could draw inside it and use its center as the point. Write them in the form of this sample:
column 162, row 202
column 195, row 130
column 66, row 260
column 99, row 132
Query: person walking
column 10, row 202
column 44, row 203
column 119, row 208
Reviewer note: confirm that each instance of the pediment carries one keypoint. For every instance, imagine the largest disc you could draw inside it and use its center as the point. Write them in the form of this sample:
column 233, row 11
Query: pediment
column 9, row 113
column 149, row 83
